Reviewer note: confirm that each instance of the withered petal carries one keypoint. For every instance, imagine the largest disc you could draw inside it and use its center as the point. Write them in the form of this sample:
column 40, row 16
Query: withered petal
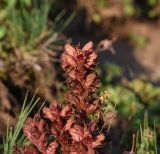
column 27, row 149
column 89, row 80
column 69, row 49
column 88, row 46
column 69, row 124
column 91, row 108
column 48, row 114
column 66, row 111
column 69, row 60
column 92, row 126
column 91, row 60
column 52, row 148
column 98, row 141
column 76, row 133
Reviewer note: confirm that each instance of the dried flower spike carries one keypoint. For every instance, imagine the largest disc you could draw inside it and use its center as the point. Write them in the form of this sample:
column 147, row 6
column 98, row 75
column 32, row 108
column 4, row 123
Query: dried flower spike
column 69, row 127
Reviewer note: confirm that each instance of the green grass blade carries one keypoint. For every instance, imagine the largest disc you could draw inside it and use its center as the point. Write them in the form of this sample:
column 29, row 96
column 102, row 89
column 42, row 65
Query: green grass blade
column 13, row 136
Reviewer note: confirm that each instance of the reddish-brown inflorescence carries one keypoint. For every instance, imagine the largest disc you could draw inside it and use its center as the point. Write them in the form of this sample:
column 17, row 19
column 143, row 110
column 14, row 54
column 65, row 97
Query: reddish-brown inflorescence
column 82, row 79
column 69, row 128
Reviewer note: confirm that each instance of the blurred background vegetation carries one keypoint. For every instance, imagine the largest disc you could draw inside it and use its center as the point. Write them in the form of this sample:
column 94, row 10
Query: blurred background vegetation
column 32, row 35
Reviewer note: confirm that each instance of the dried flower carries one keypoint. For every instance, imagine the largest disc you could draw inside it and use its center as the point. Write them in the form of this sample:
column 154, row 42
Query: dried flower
column 70, row 125
column 25, row 150
column 82, row 79
column 36, row 131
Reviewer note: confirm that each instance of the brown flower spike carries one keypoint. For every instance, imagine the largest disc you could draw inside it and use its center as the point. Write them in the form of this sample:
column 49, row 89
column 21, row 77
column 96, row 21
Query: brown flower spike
column 69, row 129
column 82, row 79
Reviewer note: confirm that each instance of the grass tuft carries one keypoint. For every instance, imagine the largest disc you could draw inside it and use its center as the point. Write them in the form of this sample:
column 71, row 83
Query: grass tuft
column 14, row 135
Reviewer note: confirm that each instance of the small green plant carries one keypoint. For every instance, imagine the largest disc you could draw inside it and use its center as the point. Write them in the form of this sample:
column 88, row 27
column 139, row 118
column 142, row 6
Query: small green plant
column 146, row 139
column 134, row 96
column 5, row 8
column 14, row 135
column 28, row 25
column 111, row 71
column 102, row 3
column 128, row 7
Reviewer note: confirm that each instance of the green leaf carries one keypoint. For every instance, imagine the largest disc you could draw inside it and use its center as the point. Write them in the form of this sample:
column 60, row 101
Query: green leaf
column 2, row 32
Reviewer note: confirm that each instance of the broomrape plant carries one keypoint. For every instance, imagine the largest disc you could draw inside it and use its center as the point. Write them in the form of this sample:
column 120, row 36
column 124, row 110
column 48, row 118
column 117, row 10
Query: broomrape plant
column 69, row 128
